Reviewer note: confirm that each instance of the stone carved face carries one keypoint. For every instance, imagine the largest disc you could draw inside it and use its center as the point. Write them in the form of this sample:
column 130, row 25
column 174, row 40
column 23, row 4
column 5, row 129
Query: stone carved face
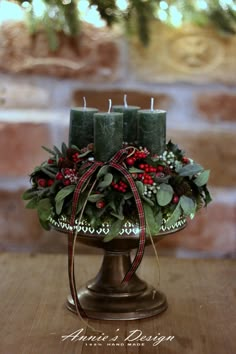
column 195, row 52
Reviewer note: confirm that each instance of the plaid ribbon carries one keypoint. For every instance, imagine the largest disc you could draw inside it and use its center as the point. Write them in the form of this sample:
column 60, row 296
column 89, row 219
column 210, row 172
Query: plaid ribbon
column 116, row 163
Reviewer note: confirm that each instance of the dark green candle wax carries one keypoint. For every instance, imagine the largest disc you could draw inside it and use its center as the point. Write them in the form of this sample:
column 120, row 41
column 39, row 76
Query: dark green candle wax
column 129, row 122
column 81, row 126
column 108, row 135
column 152, row 130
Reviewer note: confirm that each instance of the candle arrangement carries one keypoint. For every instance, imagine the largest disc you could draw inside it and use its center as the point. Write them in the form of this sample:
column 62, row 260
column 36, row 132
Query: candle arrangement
column 116, row 169
column 169, row 183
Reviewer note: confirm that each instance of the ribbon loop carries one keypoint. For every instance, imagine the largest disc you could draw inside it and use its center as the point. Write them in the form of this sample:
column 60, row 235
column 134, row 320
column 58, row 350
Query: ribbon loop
column 90, row 169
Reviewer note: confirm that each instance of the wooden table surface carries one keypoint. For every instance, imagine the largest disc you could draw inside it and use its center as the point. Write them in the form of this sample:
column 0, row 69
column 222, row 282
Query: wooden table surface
column 201, row 314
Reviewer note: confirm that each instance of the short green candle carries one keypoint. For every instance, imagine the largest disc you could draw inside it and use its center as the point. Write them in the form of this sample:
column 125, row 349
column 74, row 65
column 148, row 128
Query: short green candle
column 152, row 130
column 108, row 135
column 81, row 126
column 129, row 122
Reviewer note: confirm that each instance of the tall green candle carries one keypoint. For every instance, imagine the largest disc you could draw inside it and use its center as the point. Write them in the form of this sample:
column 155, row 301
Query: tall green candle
column 129, row 121
column 81, row 126
column 108, row 134
column 152, row 130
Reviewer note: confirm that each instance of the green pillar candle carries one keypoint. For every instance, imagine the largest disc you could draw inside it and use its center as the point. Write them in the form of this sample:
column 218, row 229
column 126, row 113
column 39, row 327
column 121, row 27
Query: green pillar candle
column 129, row 122
column 152, row 130
column 81, row 126
column 108, row 134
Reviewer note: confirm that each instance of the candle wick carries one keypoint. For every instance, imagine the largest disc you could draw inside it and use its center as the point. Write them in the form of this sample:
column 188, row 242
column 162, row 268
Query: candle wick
column 84, row 103
column 125, row 101
column 152, row 104
column 110, row 105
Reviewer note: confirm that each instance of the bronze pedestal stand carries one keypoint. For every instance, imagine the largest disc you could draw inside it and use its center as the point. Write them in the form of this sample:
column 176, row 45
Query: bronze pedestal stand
column 104, row 297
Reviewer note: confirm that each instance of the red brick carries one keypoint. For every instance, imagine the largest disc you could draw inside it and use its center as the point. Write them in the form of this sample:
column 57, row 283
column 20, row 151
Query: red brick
column 212, row 231
column 94, row 54
column 20, row 147
column 99, row 98
column 214, row 149
column 217, row 107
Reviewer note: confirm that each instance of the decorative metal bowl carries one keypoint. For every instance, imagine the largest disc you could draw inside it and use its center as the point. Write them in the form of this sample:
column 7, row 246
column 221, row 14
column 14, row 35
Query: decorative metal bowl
column 104, row 297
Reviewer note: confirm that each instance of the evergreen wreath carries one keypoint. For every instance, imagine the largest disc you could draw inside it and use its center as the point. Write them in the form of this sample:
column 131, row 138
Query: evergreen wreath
column 170, row 186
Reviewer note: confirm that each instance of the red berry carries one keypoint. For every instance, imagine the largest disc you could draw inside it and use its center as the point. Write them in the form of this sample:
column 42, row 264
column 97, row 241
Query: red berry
column 130, row 161
column 50, row 161
column 59, row 176
column 50, row 182
column 160, row 168
column 185, row 160
column 175, row 199
column 42, row 182
column 61, row 159
column 141, row 166
column 100, row 204
column 66, row 182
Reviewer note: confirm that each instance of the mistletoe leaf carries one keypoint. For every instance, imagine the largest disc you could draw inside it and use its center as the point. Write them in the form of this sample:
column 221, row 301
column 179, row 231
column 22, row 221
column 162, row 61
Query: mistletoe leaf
column 33, row 203
column 189, row 170
column 64, row 192
column 147, row 200
column 49, row 150
column 85, row 153
column 103, row 171
column 29, row 194
column 140, row 187
column 164, row 194
column 108, row 178
column 57, row 151
column 64, row 149
column 93, row 198
column 44, row 209
column 174, row 216
column 114, row 230
column 187, row 204
column 202, row 178
column 135, row 170
column 45, row 224
column 152, row 223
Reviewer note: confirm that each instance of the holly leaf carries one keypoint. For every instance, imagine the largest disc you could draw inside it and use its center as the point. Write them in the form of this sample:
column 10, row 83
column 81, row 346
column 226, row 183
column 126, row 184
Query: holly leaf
column 202, row 178
column 152, row 223
column 114, row 230
column 108, row 178
column 164, row 194
column 174, row 216
column 189, row 170
column 187, row 204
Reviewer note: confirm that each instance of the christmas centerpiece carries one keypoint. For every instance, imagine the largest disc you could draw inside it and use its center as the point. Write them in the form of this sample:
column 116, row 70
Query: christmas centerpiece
column 117, row 185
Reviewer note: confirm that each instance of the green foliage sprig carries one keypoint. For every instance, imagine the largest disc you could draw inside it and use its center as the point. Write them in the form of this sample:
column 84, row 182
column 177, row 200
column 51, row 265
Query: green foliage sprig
column 170, row 186
column 63, row 15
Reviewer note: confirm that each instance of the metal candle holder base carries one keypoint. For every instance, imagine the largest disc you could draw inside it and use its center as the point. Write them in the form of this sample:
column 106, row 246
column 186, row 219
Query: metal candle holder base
column 104, row 297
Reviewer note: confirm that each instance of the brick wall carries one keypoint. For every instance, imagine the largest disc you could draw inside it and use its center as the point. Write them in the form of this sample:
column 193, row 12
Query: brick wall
column 190, row 72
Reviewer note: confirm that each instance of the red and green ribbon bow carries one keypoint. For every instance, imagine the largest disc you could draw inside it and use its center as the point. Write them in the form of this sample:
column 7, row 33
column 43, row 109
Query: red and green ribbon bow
column 116, row 163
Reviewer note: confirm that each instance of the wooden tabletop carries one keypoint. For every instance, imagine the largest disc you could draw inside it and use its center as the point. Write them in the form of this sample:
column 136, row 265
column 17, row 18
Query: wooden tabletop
column 201, row 315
